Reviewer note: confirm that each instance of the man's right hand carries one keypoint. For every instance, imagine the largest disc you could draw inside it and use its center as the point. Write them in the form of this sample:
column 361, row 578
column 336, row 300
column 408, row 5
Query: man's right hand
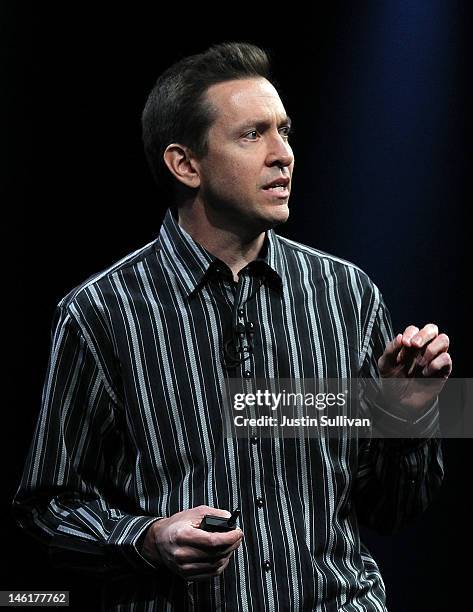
column 190, row 552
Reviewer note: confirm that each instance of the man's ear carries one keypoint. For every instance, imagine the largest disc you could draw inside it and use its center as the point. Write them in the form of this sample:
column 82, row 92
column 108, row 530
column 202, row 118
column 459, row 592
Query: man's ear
column 181, row 162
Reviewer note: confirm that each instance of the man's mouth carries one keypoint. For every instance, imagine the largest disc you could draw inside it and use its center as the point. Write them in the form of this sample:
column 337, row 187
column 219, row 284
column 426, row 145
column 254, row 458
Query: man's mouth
column 278, row 188
column 279, row 184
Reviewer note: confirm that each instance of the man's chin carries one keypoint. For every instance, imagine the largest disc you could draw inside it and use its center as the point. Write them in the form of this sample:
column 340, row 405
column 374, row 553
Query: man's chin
column 278, row 215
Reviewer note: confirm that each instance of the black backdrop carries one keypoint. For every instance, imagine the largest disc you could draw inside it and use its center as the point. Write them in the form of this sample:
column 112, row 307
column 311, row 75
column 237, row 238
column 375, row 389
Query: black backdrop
column 380, row 95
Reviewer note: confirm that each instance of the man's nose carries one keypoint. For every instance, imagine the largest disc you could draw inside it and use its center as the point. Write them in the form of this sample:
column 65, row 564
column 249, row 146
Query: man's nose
column 280, row 152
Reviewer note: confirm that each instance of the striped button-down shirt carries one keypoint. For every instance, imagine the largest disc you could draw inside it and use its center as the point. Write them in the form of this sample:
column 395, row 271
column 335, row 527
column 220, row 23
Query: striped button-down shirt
column 131, row 429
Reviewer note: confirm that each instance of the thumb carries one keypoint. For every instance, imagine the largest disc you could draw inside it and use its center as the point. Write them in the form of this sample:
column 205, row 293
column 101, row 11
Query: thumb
column 388, row 358
column 201, row 511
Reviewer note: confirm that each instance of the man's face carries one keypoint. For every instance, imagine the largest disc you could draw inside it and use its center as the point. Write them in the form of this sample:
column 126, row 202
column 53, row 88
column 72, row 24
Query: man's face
column 248, row 150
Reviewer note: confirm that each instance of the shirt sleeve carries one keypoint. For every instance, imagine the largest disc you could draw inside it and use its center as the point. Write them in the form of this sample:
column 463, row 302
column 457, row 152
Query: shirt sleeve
column 69, row 497
column 396, row 478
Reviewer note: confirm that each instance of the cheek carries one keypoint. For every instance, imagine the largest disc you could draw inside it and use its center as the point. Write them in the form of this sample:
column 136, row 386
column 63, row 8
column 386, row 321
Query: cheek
column 237, row 177
column 230, row 173
column 245, row 176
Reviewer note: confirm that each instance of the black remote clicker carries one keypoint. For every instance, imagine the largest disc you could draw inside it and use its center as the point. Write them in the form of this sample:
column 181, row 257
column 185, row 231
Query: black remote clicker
column 211, row 522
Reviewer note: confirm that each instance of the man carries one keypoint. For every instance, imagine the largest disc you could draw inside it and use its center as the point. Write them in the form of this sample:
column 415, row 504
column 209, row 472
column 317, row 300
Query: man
column 129, row 452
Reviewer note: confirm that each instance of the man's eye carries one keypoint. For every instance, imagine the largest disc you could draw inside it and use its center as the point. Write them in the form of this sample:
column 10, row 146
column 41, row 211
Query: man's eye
column 251, row 135
column 285, row 131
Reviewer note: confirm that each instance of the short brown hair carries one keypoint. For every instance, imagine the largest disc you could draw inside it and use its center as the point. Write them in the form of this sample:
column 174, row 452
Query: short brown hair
column 176, row 110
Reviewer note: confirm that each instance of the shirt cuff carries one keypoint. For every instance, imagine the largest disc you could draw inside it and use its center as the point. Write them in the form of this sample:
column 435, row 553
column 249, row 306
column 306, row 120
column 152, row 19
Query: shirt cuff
column 125, row 538
column 390, row 423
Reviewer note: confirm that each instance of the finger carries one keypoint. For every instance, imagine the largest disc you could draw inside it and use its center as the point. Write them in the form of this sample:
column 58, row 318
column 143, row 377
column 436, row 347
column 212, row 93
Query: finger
column 408, row 357
column 441, row 366
column 401, row 350
column 425, row 335
column 187, row 554
column 200, row 511
column 393, row 347
column 408, row 334
column 189, row 569
column 390, row 352
column 437, row 346
column 407, row 354
column 208, row 541
column 203, row 571
column 402, row 356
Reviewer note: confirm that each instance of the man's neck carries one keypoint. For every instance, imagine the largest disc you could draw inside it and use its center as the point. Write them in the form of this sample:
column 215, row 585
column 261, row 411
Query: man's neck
column 226, row 244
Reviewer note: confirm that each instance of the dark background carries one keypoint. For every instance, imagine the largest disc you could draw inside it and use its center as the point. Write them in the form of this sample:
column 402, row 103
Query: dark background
column 381, row 98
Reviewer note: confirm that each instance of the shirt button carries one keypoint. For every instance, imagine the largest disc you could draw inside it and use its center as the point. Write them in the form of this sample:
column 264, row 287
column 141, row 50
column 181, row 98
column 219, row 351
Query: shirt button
column 254, row 440
column 267, row 566
column 260, row 502
column 240, row 312
column 247, row 373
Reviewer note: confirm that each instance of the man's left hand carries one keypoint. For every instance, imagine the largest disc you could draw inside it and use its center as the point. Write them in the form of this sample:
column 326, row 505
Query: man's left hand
column 411, row 358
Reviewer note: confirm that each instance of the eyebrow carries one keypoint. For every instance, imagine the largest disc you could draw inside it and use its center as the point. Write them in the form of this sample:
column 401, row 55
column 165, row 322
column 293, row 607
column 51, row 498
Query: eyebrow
column 264, row 123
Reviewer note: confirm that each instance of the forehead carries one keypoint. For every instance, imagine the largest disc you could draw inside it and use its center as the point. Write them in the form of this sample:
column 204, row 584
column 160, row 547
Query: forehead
column 245, row 99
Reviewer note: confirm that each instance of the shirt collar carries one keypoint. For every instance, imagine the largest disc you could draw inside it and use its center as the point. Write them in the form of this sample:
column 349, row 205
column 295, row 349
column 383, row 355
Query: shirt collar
column 191, row 264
